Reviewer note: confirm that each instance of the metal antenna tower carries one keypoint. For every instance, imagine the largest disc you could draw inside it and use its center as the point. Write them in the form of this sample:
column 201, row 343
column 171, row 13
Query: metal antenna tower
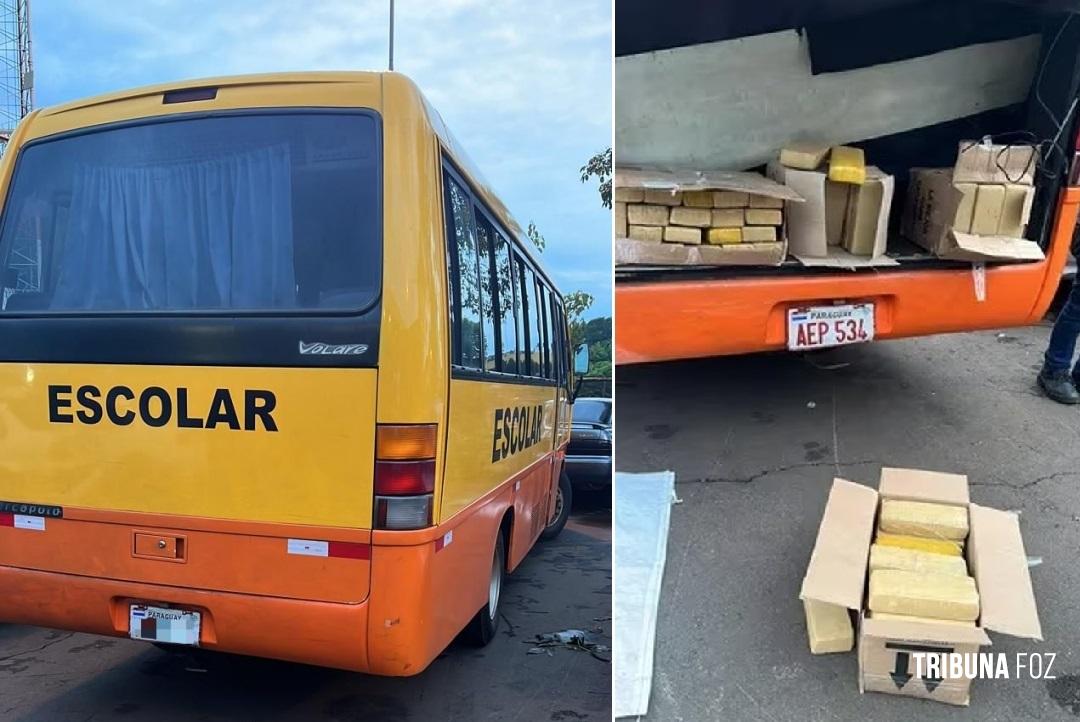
column 16, row 65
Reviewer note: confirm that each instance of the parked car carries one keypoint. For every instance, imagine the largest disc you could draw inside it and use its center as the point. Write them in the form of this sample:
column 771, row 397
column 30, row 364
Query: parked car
column 588, row 458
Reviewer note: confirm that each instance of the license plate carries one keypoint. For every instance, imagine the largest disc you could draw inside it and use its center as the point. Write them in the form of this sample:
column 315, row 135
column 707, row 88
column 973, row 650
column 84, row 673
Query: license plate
column 825, row 326
column 170, row 626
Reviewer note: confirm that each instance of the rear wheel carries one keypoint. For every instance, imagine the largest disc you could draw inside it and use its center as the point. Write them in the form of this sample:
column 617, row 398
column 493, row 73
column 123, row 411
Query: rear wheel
column 564, row 497
column 483, row 626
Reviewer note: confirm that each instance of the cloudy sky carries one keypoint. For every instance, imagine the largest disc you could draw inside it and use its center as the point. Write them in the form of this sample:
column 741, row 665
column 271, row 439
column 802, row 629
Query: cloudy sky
column 525, row 85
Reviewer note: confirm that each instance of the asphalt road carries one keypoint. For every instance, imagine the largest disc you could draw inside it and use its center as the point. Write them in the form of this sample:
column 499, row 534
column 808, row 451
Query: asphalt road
column 56, row 676
column 755, row 443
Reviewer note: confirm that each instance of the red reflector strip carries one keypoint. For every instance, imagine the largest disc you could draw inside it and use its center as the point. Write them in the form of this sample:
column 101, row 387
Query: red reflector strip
column 350, row 550
column 7, row 518
column 444, row 540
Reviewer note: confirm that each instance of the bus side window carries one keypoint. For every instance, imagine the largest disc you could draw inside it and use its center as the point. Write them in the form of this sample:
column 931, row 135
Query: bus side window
column 464, row 278
column 549, row 353
column 539, row 343
column 519, row 314
column 484, row 239
column 528, row 286
column 505, row 294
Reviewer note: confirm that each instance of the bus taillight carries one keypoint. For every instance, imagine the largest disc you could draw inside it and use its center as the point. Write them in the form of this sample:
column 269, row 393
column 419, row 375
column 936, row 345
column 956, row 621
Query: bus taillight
column 404, row 476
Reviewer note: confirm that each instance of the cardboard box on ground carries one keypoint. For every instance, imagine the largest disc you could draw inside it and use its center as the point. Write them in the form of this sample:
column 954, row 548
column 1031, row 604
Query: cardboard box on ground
column 837, row 574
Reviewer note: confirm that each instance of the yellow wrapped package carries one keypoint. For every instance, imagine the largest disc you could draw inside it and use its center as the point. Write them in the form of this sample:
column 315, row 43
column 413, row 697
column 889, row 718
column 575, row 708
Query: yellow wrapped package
column 935, row 546
column 914, row 560
column 940, row 596
column 920, row 518
column 828, row 627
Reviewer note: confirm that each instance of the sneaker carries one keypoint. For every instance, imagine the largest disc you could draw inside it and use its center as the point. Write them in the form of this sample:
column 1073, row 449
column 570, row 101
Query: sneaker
column 1059, row 386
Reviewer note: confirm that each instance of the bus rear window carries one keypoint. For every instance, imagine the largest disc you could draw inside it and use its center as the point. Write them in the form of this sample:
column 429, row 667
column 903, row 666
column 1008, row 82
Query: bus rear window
column 239, row 212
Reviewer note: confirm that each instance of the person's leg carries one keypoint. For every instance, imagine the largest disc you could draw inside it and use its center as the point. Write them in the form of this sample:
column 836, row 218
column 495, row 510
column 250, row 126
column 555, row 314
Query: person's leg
column 1055, row 378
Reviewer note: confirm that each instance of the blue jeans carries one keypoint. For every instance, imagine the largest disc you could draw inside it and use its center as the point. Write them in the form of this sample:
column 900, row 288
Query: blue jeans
column 1059, row 354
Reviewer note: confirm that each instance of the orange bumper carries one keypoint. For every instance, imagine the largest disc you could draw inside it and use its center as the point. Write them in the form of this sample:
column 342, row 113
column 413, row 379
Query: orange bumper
column 659, row 321
column 425, row 586
column 327, row 634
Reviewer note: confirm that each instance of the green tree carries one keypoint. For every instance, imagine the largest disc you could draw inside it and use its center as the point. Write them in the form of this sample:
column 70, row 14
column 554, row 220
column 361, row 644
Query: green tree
column 599, row 166
column 534, row 235
column 576, row 304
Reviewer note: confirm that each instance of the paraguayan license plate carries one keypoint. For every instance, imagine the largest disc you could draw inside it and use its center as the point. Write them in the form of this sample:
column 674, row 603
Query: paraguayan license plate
column 825, row 326
column 170, row 626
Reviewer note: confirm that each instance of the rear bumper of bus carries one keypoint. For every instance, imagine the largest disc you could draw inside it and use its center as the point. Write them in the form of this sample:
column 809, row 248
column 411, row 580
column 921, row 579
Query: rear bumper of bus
column 425, row 585
column 676, row 319
column 320, row 633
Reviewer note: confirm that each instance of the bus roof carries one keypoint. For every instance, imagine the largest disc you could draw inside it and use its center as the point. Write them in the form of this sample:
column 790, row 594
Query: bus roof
column 375, row 80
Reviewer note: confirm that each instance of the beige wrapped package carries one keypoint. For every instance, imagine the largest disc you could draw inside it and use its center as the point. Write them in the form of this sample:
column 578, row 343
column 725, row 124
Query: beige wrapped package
column 662, row 197
column 652, row 234
column 828, row 627
column 920, row 518
column 940, row 596
column 694, row 217
column 680, row 234
column 906, row 618
column 697, row 199
column 646, row 215
column 804, row 155
column 764, row 217
column 912, row 560
column 731, row 199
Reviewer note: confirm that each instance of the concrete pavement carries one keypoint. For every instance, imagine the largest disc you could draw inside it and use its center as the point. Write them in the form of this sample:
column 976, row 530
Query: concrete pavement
column 755, row 442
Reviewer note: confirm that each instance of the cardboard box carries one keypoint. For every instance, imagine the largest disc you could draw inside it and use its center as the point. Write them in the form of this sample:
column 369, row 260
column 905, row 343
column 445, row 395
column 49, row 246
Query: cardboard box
column 979, row 162
column 995, row 553
column 732, row 189
column 812, row 237
column 931, row 209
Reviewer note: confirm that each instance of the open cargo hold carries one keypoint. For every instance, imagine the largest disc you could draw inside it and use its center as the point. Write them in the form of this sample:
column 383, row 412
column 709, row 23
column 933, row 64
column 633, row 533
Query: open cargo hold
column 907, row 82
column 907, row 100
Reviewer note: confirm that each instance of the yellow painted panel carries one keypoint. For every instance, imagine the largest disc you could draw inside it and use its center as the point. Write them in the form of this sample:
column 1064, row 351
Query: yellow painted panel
column 316, row 468
column 484, row 449
column 318, row 89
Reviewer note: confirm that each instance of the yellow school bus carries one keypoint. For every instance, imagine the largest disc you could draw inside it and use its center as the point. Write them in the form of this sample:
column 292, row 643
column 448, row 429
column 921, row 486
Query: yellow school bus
column 278, row 375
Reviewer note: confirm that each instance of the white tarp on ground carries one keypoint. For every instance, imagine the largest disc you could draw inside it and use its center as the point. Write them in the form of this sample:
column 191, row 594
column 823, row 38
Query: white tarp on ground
column 642, row 515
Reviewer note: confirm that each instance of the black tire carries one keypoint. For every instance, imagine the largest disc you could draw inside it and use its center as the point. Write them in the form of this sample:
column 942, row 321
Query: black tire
column 563, row 502
column 481, row 630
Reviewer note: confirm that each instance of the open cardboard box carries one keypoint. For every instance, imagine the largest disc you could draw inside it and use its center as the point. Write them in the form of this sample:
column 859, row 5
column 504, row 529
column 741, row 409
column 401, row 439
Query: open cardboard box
column 644, row 253
column 813, row 229
column 995, row 554
column 932, row 202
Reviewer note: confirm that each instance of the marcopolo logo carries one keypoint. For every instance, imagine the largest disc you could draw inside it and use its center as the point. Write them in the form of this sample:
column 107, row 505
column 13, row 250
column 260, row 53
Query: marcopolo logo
column 516, row 429
column 156, row 407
